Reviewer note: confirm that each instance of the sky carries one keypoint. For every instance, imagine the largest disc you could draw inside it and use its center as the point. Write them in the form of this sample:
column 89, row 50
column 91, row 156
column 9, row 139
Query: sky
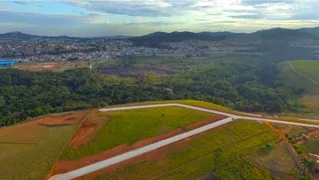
column 140, row 17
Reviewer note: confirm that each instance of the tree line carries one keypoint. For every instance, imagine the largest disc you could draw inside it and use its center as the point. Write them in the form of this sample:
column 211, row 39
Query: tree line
column 242, row 85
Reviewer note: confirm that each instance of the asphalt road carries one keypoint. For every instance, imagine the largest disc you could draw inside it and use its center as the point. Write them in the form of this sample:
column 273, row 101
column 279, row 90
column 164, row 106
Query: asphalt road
column 116, row 159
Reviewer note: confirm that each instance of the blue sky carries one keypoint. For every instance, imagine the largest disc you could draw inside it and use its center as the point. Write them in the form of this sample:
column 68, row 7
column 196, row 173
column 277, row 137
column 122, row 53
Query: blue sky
column 139, row 17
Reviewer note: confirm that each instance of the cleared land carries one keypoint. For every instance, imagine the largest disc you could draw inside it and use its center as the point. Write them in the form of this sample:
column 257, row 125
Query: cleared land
column 291, row 78
column 29, row 150
column 160, row 64
column 129, row 127
column 279, row 161
column 218, row 153
column 51, row 66
column 308, row 68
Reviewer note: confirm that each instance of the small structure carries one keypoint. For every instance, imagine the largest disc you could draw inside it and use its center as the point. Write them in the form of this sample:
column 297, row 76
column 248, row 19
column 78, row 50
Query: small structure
column 7, row 62
column 315, row 158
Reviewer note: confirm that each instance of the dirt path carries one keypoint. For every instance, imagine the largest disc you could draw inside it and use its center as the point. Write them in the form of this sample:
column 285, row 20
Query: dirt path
column 308, row 78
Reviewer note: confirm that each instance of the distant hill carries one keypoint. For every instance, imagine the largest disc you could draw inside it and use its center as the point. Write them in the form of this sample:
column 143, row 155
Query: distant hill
column 275, row 34
column 285, row 34
column 13, row 36
column 19, row 36
column 313, row 31
column 222, row 33
column 155, row 39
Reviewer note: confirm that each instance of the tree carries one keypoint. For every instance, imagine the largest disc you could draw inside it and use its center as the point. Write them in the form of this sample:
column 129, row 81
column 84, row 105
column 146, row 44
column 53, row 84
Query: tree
column 306, row 177
column 309, row 163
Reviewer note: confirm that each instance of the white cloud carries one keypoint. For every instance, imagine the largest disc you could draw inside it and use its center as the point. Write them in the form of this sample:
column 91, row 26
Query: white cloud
column 136, row 17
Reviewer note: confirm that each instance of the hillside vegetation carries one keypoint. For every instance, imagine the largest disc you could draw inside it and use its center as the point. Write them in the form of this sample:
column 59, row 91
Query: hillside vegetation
column 249, row 85
column 293, row 79
column 304, row 77
column 308, row 68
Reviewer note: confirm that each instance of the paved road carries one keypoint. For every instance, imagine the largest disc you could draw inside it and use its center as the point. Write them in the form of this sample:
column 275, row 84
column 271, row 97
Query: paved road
column 116, row 159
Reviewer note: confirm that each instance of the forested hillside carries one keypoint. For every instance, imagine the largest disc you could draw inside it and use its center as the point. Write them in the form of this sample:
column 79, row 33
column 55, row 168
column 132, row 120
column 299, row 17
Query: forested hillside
column 29, row 94
column 241, row 85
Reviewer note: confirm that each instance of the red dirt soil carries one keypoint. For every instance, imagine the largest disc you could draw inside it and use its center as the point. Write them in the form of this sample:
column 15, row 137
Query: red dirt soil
column 39, row 66
column 26, row 131
column 313, row 134
column 85, row 133
column 66, row 119
column 67, row 166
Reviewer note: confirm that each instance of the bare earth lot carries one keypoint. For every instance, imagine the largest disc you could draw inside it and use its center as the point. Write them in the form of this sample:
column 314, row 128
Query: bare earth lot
column 29, row 150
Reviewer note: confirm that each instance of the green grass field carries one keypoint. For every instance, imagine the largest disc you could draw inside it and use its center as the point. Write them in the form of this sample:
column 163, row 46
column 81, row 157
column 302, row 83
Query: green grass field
column 278, row 161
column 311, row 146
column 35, row 158
column 212, row 106
column 291, row 78
column 308, row 68
column 131, row 126
column 217, row 153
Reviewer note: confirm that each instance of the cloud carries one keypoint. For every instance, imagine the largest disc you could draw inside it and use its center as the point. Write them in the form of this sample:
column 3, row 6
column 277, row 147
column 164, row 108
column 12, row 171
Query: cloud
column 137, row 17
column 25, row 3
column 306, row 16
column 20, row 2
column 253, row 16
column 150, row 8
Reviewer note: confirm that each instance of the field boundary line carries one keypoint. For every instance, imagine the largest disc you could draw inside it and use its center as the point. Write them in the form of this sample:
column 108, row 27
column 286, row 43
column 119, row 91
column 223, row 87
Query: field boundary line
column 299, row 73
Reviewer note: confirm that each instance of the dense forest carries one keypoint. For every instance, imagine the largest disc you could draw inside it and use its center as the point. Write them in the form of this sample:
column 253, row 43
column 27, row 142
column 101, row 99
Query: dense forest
column 240, row 85
column 29, row 94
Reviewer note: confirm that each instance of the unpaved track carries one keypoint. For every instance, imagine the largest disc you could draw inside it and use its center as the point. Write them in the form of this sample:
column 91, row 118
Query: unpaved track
column 308, row 78
column 117, row 159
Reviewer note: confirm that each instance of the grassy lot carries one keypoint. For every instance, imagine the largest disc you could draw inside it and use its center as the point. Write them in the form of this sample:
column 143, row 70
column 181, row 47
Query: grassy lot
column 311, row 146
column 72, row 65
column 130, row 126
column 311, row 102
column 308, row 68
column 219, row 152
column 212, row 106
column 278, row 161
column 29, row 150
column 291, row 78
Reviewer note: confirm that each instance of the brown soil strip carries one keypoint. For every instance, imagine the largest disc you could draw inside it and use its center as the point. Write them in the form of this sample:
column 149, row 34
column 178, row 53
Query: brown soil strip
column 67, row 166
column 86, row 132
column 29, row 128
column 39, row 66
column 67, row 119
column 313, row 134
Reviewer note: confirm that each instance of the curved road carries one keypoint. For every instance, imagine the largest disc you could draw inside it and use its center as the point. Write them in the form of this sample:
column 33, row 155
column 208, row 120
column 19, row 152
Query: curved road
column 131, row 154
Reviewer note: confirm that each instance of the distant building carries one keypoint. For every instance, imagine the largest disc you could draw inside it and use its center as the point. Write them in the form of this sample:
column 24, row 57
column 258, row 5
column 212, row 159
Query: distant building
column 315, row 158
column 7, row 63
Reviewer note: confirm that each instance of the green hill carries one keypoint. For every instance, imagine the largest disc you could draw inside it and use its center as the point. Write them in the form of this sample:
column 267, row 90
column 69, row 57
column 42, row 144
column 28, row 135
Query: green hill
column 303, row 74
